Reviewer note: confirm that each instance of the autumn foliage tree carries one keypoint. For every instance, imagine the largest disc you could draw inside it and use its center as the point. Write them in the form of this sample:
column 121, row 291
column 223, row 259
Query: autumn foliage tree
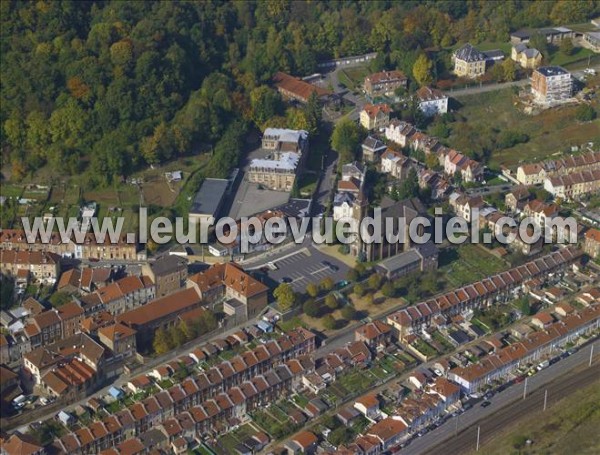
column 422, row 70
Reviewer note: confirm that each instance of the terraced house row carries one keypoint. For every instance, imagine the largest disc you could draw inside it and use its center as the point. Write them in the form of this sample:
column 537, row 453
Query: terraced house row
column 497, row 287
column 213, row 400
column 505, row 361
column 181, row 412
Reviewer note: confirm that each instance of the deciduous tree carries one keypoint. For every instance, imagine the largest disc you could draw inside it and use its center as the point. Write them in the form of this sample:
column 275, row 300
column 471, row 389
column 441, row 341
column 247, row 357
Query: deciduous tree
column 422, row 70
column 284, row 293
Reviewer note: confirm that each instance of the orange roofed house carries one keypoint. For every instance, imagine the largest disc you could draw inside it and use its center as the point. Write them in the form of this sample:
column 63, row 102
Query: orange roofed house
column 375, row 116
column 229, row 282
column 291, row 87
column 42, row 266
column 159, row 313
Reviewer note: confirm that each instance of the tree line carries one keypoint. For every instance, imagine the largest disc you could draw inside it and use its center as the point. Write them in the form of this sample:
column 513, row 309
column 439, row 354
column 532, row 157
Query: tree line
column 105, row 88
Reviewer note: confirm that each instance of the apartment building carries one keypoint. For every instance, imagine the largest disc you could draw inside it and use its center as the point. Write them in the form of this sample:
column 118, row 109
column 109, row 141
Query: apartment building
column 168, row 273
column 536, row 173
column 384, row 83
column 551, row 84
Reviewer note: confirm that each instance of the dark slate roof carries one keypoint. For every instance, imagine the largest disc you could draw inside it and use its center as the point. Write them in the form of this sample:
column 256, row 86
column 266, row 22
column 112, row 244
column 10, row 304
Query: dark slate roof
column 552, row 70
column 494, row 54
column 459, row 337
column 373, row 143
column 167, row 264
column 208, row 198
column 469, row 54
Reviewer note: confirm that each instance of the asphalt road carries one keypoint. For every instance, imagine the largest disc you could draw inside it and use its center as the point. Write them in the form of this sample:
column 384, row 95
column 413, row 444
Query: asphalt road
column 459, row 434
column 305, row 265
column 325, row 188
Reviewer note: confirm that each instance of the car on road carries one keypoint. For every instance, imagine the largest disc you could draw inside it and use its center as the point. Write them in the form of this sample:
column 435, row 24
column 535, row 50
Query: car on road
column 342, row 284
column 285, row 279
column 485, row 404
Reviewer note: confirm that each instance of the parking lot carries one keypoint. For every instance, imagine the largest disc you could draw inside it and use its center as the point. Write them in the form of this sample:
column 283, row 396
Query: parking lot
column 306, row 266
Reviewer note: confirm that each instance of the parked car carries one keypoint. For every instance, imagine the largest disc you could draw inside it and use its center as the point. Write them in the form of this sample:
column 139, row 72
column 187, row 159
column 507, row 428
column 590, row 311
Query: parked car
column 485, row 404
column 285, row 279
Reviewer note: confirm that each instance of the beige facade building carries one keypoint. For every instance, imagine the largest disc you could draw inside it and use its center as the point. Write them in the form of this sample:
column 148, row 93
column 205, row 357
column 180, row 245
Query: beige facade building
column 591, row 245
column 469, row 62
column 42, row 266
column 375, row 117
column 278, row 170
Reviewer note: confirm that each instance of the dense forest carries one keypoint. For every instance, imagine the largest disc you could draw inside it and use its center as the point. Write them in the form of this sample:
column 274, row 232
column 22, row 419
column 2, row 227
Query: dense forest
column 104, row 88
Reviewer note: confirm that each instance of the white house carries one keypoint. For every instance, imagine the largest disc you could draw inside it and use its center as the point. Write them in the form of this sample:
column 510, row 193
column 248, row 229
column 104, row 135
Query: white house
column 343, row 205
column 432, row 101
column 399, row 132
column 395, row 164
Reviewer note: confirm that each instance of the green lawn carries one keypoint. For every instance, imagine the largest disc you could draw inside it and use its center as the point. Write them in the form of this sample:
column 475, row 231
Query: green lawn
column 356, row 381
column 551, row 131
column 353, row 78
column 468, row 263
column 579, row 54
column 8, row 190
column 307, row 183
column 300, row 400
column 425, row 348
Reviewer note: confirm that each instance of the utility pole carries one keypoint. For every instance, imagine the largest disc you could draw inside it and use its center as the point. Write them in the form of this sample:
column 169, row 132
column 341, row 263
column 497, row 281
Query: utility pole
column 545, row 398
column 591, row 355
column 456, row 427
column 525, row 389
column 478, row 431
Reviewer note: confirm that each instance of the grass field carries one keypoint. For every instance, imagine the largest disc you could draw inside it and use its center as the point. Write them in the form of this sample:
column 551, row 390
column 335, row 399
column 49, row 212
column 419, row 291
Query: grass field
column 569, row 426
column 550, row 132
column 353, row 78
column 468, row 263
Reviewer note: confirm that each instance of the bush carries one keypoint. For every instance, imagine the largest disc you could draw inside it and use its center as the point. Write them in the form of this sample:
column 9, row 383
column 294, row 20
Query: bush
column 388, row 290
column 352, row 275
column 329, row 322
column 312, row 290
column 327, row 284
column 375, row 281
column 507, row 139
column 585, row 113
column 359, row 290
column 311, row 308
column 349, row 313
column 331, row 302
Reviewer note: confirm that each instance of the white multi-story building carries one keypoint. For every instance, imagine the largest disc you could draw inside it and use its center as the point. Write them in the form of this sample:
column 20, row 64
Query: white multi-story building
column 550, row 84
column 432, row 101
